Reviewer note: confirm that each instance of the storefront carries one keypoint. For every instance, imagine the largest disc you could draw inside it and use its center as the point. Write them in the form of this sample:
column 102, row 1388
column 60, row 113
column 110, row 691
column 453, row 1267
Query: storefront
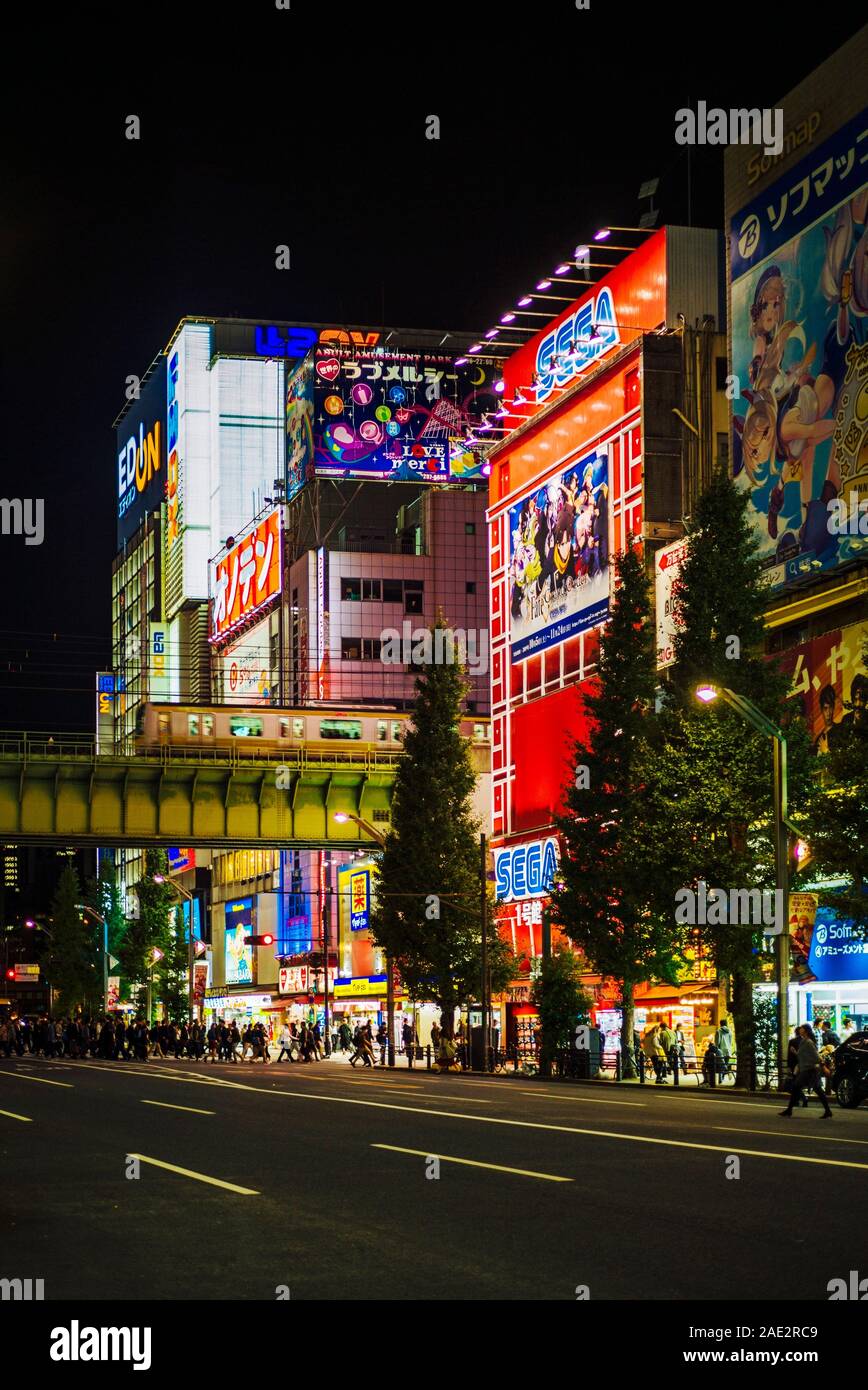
column 238, row 1007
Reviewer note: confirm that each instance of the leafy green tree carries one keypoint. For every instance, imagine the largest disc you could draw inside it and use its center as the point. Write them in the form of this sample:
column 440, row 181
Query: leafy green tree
column 428, row 913
column 603, row 900
column 151, row 928
column 561, row 999
column 103, row 893
column 713, row 769
column 71, row 961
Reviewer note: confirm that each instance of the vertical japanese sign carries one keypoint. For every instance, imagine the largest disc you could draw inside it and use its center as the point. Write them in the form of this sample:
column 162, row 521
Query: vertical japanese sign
column 322, row 632
column 667, row 569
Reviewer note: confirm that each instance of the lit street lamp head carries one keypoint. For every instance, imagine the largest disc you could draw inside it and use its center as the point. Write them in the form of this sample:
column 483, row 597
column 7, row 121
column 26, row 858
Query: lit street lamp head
column 706, row 693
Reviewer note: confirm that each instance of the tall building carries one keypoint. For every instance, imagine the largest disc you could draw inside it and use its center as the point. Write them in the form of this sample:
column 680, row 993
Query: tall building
column 797, row 276
column 617, row 416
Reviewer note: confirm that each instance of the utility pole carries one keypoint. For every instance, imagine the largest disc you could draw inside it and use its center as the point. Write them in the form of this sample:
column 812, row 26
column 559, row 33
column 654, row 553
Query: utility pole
column 326, row 924
column 483, row 888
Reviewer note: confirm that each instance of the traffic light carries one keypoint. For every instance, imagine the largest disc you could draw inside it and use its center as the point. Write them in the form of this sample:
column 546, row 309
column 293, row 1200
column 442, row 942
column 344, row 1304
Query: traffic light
column 266, row 940
column 10, row 973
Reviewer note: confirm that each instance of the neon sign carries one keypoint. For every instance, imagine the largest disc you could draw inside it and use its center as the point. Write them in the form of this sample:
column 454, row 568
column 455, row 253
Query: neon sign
column 272, row 341
column 581, row 339
column 525, row 871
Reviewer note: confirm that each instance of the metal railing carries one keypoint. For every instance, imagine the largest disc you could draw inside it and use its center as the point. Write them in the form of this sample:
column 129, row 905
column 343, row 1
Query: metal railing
column 25, row 747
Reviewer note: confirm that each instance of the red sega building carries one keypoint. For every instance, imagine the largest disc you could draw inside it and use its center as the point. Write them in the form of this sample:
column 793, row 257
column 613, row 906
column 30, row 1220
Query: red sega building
column 594, row 456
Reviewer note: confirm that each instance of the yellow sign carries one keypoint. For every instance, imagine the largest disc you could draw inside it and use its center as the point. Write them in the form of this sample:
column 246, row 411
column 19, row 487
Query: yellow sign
column 369, row 985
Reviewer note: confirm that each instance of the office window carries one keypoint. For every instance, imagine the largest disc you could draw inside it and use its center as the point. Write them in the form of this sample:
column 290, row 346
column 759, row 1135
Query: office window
column 393, row 591
column 470, row 587
column 351, row 648
column 413, row 595
column 351, row 590
column 372, row 589
column 470, row 528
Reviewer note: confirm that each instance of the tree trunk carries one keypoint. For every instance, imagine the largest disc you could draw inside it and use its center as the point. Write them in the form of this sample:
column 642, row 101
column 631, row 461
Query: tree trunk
column 628, row 1061
column 447, row 1020
column 742, row 1012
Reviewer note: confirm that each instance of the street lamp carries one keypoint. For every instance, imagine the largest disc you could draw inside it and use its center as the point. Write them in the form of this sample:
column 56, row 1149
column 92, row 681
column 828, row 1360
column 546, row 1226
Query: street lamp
column 708, row 693
column 342, row 817
column 161, row 878
column 37, row 926
column 98, row 917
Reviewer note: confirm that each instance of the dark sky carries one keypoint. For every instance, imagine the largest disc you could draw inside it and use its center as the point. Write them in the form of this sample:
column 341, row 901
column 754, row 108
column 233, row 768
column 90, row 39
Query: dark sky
column 307, row 127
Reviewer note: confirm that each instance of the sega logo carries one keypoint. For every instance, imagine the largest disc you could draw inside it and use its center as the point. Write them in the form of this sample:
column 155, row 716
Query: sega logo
column 581, row 339
column 527, row 871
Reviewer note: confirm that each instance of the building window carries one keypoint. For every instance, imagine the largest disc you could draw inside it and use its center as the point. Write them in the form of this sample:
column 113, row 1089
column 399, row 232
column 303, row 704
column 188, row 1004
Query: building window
column 378, row 816
column 470, row 587
column 470, row 528
column 360, row 648
column 413, row 595
column 393, row 591
column 351, row 590
column 721, row 372
column 372, row 589
column 722, row 449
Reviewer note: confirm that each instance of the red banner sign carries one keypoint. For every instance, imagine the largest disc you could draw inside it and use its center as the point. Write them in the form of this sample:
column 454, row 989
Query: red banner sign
column 247, row 578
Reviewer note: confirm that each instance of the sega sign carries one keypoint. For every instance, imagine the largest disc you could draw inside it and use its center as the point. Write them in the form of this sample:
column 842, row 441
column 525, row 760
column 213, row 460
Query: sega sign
column 580, row 339
column 525, row 871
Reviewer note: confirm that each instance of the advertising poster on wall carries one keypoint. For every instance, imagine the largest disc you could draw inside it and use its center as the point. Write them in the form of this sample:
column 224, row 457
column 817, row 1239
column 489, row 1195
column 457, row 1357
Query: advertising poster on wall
column 239, row 959
column 803, row 913
column 799, row 262
column 247, row 578
column 559, row 557
column 299, row 426
column 245, row 670
column 830, row 681
column 399, row 417
column 667, row 569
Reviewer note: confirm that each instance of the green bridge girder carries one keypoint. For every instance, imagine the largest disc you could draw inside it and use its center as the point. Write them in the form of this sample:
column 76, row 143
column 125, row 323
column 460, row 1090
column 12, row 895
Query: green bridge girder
column 59, row 790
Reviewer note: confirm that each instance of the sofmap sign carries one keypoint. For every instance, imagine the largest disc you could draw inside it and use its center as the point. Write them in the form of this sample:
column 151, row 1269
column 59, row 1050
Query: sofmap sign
column 525, row 871
column 837, row 952
column 141, row 455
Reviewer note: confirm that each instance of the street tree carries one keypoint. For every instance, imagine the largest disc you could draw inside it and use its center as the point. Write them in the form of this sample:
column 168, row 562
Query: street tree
column 71, row 962
column 561, row 999
column 603, row 900
column 428, row 912
column 712, row 768
column 150, row 928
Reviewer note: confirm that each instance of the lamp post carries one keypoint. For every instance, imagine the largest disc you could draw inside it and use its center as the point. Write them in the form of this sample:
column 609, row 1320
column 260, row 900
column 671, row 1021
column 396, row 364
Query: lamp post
column 161, row 878
column 342, row 817
column 707, row 694
column 36, row 926
column 98, row 917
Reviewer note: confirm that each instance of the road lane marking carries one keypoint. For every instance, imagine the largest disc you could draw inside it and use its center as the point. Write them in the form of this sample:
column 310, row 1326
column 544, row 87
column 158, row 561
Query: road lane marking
column 794, row 1134
column 10, row 1115
column 586, row 1100
column 472, row 1163
column 200, row 1177
column 43, row 1080
column 191, row 1110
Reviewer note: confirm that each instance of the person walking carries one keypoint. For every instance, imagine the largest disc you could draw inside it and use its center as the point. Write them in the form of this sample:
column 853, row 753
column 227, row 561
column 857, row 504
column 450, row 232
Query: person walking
column 654, row 1052
column 807, row 1076
column 383, row 1042
column 346, row 1037
column 408, row 1037
column 792, row 1065
column 285, row 1043
column 723, row 1043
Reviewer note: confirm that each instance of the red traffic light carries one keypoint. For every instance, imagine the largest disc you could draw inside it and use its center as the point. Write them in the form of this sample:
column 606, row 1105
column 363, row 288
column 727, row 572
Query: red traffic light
column 266, row 940
column 10, row 974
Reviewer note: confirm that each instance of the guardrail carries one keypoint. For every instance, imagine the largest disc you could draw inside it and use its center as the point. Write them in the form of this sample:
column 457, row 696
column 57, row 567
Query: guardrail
column 24, row 747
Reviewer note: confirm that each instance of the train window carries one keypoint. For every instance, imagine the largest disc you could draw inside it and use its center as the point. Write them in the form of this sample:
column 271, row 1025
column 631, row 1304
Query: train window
column 397, row 731
column 284, row 728
column 163, row 723
column 382, row 731
column 244, row 726
column 351, row 590
column 192, row 726
column 340, row 728
column 393, row 591
column 298, row 728
column 208, row 725
column 479, row 733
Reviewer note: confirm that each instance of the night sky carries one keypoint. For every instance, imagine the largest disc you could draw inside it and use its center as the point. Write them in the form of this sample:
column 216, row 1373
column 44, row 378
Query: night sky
column 262, row 127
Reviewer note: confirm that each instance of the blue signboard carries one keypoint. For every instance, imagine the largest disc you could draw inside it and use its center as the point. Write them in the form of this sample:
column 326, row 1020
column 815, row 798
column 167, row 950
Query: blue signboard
column 836, row 952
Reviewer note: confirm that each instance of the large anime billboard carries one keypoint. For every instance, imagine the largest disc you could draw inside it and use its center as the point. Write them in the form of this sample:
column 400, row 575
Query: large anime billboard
column 830, row 683
column 559, row 556
column 799, row 262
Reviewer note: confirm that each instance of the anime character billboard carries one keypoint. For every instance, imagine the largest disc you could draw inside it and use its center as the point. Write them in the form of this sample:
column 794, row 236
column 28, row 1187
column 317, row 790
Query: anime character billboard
column 559, row 557
column 830, row 682
column 799, row 306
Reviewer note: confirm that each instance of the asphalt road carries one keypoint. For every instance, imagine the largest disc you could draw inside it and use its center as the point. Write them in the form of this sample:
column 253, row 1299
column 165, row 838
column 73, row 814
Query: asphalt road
column 322, row 1179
